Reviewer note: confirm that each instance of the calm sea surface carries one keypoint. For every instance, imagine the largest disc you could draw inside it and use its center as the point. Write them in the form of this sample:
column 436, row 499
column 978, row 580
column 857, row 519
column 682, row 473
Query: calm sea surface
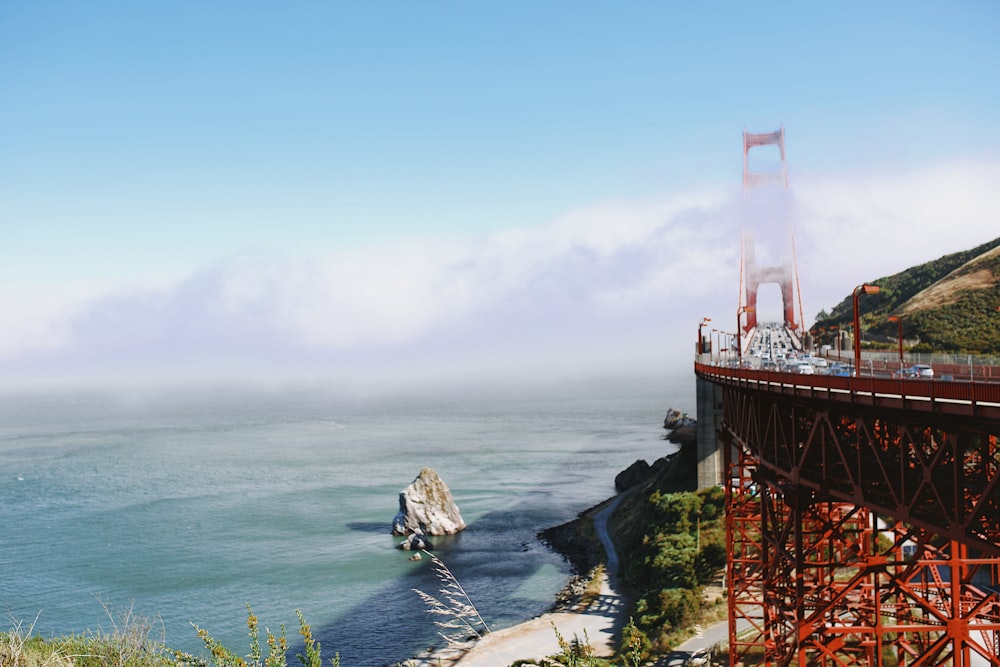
column 187, row 507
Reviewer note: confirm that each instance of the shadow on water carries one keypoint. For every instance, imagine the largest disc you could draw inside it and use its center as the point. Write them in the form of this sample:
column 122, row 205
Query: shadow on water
column 393, row 625
column 373, row 527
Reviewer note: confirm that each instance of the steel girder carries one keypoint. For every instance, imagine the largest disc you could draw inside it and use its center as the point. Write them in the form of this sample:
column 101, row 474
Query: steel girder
column 840, row 524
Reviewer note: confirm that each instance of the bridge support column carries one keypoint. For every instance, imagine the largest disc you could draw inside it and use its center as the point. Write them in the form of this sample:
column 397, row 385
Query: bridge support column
column 710, row 463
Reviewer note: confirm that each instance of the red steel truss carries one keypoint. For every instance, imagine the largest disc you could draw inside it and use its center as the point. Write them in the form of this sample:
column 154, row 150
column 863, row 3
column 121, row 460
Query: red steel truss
column 861, row 531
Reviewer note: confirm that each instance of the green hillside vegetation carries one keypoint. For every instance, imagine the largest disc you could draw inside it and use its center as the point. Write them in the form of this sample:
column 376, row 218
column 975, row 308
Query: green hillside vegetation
column 671, row 540
column 673, row 552
column 671, row 544
column 946, row 305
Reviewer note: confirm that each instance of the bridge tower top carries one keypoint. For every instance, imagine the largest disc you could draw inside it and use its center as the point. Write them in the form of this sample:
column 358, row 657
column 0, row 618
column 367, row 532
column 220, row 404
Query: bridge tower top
column 752, row 274
column 752, row 179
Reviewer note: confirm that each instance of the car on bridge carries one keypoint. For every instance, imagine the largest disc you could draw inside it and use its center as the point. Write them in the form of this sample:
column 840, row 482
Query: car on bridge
column 841, row 369
column 800, row 367
column 919, row 371
column 916, row 371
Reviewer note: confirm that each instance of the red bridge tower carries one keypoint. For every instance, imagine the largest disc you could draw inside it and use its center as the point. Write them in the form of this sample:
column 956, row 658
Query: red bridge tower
column 752, row 274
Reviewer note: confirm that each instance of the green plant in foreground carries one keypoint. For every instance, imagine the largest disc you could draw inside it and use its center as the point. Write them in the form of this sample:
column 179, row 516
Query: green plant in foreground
column 13, row 648
column 576, row 652
column 634, row 645
column 128, row 644
column 277, row 648
column 312, row 657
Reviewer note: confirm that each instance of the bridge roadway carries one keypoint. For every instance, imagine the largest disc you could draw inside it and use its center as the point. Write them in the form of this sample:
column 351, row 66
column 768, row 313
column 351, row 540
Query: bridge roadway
column 863, row 517
column 978, row 400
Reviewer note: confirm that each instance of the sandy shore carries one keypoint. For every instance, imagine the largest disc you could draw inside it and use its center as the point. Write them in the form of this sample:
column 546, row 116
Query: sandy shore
column 599, row 622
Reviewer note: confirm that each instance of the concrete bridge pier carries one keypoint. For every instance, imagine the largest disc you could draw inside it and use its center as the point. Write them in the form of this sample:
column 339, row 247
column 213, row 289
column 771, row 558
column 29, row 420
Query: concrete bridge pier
column 710, row 460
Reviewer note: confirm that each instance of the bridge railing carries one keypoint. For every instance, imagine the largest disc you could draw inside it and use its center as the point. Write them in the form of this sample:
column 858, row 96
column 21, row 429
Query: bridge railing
column 966, row 398
column 882, row 364
column 979, row 368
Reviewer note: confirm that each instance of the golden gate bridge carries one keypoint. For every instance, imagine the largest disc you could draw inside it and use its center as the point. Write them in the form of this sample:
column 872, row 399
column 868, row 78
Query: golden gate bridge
column 863, row 512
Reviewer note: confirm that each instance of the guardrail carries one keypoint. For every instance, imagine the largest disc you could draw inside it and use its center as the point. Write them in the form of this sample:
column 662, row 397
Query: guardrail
column 946, row 366
column 978, row 400
column 878, row 364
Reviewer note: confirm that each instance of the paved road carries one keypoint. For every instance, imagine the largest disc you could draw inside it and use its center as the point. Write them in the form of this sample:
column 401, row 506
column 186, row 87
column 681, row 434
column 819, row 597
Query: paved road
column 601, row 528
column 704, row 639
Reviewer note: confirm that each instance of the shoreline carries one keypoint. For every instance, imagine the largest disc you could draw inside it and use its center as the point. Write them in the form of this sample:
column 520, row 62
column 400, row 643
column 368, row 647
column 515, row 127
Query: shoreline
column 599, row 620
column 576, row 611
column 588, row 605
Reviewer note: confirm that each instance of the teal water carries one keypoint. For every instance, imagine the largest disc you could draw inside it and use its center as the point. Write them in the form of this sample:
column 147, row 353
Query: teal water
column 185, row 507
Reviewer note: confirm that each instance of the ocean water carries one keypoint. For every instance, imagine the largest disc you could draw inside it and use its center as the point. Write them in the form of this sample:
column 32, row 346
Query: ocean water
column 184, row 507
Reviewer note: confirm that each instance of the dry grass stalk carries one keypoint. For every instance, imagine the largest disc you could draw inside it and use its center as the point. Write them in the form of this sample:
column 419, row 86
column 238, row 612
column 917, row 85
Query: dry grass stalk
column 459, row 617
column 12, row 649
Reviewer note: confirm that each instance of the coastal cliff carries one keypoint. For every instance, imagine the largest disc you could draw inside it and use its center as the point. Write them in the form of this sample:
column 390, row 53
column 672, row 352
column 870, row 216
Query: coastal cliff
column 576, row 541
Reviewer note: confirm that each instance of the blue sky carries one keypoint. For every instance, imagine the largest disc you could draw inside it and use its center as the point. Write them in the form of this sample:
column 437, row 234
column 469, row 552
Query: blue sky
column 386, row 190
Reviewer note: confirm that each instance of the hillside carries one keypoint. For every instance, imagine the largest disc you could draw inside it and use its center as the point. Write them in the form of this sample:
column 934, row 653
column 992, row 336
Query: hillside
column 947, row 305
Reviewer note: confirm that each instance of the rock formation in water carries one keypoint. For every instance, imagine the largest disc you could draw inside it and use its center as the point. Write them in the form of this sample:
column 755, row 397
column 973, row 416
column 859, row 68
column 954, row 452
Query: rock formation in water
column 677, row 419
column 427, row 508
column 416, row 542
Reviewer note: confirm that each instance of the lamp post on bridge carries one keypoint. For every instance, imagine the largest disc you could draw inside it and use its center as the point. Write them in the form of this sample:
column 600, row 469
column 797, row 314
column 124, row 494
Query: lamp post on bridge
column 898, row 319
column 859, row 290
column 701, row 347
column 739, row 327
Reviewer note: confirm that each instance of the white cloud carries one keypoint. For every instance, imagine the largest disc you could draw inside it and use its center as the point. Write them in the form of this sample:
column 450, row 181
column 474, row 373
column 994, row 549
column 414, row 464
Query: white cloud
column 373, row 296
column 39, row 321
column 616, row 286
column 852, row 230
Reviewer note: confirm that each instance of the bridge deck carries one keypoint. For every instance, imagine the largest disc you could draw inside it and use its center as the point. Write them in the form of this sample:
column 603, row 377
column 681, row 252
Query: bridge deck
column 945, row 397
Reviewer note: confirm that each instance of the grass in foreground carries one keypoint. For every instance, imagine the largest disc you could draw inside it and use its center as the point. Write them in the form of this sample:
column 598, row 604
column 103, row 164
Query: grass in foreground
column 130, row 644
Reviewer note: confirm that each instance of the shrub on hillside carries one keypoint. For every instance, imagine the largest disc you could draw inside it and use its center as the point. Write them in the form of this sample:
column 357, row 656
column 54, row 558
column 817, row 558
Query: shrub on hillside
column 673, row 546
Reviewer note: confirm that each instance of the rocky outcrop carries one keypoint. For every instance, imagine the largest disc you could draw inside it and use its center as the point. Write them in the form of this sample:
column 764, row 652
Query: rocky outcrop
column 677, row 419
column 416, row 542
column 427, row 508
column 576, row 541
column 684, row 435
column 637, row 473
